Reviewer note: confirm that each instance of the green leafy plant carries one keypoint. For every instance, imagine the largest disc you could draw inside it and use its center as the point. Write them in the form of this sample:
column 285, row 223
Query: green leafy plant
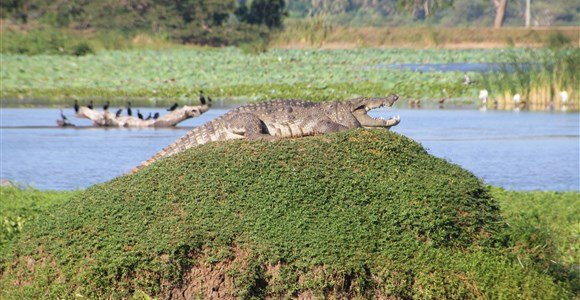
column 356, row 214
column 19, row 206
column 167, row 75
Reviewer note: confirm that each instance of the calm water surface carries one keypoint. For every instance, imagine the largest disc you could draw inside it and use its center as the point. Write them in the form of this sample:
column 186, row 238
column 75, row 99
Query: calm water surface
column 520, row 151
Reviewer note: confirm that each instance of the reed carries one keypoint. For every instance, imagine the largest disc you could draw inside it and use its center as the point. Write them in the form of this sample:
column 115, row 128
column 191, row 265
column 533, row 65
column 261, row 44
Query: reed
column 322, row 32
column 545, row 80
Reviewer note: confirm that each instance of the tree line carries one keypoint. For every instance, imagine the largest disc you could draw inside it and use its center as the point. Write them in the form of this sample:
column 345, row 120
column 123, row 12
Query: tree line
column 471, row 13
column 213, row 22
column 223, row 22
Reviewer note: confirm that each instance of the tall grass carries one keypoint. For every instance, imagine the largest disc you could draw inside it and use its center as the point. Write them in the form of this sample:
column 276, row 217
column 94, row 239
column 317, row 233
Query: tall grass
column 539, row 78
column 321, row 31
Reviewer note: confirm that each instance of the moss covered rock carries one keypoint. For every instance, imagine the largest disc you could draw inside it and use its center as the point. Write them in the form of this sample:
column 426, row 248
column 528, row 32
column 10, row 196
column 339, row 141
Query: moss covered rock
column 356, row 214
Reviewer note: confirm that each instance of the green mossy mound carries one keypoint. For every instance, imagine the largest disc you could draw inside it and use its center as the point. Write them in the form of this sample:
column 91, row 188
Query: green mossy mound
column 356, row 214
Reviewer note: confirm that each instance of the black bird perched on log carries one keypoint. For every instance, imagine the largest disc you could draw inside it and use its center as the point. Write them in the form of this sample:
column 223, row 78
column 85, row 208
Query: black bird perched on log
column 106, row 106
column 90, row 105
column 64, row 121
column 148, row 117
column 62, row 116
column 201, row 97
column 156, row 116
column 129, row 112
column 139, row 115
column 119, row 112
column 173, row 107
column 76, row 106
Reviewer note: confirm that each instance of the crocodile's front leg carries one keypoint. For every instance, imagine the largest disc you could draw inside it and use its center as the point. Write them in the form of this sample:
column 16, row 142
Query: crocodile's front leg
column 327, row 126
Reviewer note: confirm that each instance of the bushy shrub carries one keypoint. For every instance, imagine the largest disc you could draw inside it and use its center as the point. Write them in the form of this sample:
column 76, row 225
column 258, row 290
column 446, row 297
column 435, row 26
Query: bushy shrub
column 355, row 214
column 558, row 40
column 237, row 34
column 82, row 49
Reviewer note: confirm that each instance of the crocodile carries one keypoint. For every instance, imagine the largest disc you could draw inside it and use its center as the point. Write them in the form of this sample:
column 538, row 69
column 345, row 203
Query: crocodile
column 283, row 119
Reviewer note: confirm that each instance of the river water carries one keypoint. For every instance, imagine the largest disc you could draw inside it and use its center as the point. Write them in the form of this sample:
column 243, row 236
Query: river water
column 518, row 151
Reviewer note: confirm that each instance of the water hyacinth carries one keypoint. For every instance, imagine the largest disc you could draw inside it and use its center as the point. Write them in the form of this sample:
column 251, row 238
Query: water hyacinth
column 161, row 77
column 172, row 74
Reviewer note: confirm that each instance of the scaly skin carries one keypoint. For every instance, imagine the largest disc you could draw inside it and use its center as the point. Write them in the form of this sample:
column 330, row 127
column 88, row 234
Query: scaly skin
column 282, row 119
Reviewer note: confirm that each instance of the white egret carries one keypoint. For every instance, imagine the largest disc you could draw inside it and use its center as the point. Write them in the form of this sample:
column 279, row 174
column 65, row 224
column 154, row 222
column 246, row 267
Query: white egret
column 517, row 99
column 466, row 79
column 564, row 96
column 483, row 94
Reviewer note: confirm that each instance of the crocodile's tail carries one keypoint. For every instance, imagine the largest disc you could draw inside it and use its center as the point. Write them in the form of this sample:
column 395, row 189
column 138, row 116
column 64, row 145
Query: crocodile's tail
column 193, row 138
column 167, row 151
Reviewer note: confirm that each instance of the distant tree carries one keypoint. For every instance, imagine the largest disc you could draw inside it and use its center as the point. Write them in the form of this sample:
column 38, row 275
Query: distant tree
column 267, row 12
column 14, row 8
column 500, row 8
column 472, row 13
column 9, row 6
column 423, row 8
column 207, row 12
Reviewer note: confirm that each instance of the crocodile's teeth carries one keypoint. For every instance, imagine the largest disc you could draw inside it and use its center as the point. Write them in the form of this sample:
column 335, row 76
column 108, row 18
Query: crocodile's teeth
column 398, row 118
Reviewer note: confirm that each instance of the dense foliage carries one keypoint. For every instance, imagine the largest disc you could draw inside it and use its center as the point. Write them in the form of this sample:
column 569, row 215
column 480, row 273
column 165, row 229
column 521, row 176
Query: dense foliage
column 268, row 12
column 462, row 13
column 362, row 213
column 221, row 22
column 211, row 22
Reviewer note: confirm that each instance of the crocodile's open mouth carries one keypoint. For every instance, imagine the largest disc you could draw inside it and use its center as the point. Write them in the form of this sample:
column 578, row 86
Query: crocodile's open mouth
column 366, row 121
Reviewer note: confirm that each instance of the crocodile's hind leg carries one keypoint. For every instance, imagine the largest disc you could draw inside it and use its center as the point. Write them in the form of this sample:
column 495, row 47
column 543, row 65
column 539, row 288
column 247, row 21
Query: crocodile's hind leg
column 249, row 126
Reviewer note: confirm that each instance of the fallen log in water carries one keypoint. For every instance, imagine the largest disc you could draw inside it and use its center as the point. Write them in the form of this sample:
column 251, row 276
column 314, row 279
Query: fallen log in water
column 108, row 119
column 64, row 123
